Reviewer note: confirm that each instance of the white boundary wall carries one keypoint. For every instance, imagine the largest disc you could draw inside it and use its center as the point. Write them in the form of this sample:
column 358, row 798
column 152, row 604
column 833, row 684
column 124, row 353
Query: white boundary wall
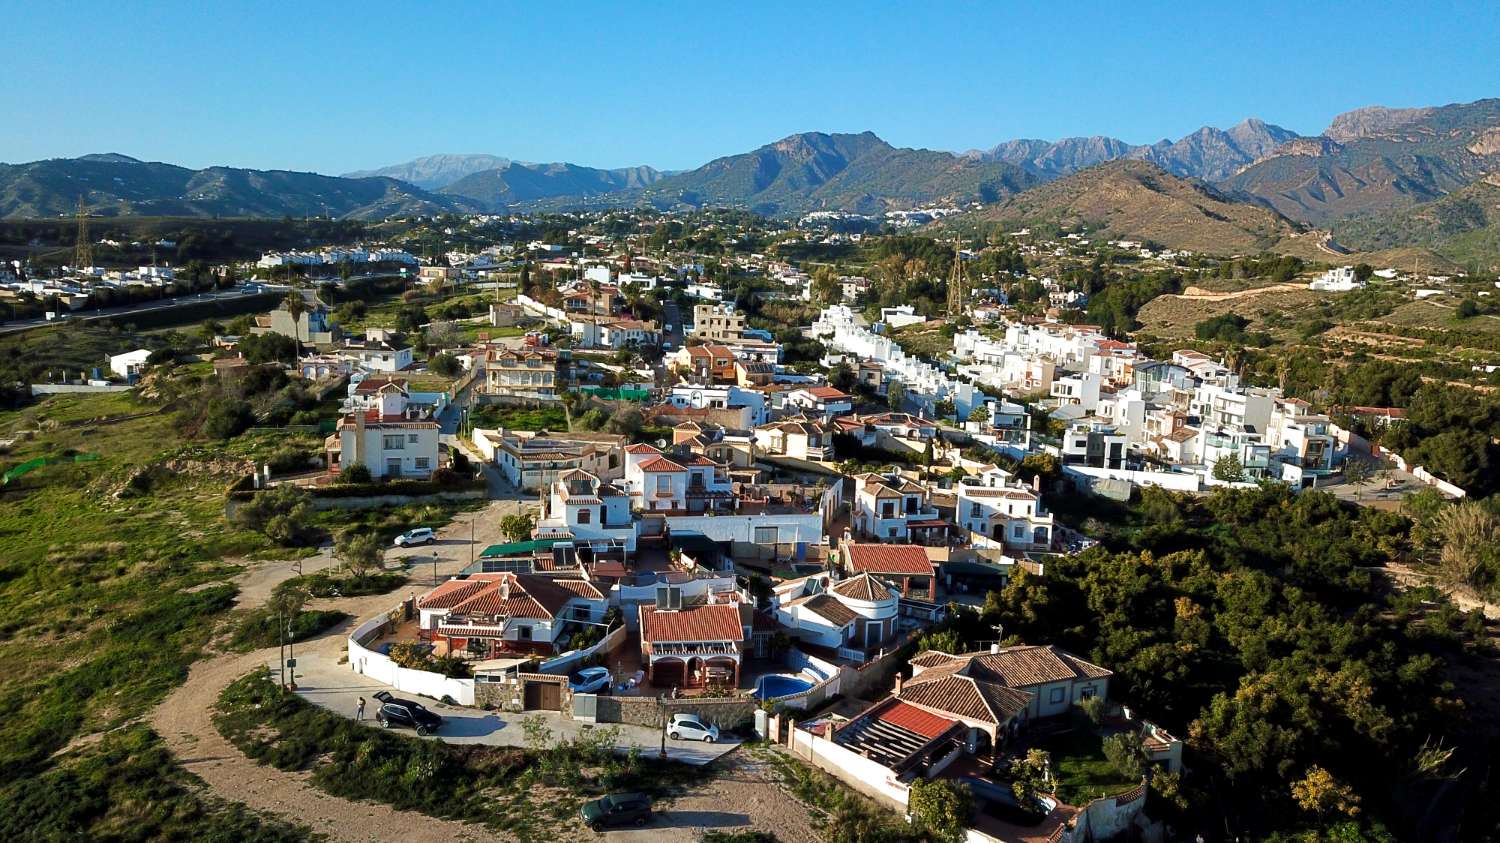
column 860, row 773
column 380, row 668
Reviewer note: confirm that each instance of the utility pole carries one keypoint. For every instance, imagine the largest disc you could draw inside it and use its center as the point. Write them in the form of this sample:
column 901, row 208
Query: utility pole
column 281, row 644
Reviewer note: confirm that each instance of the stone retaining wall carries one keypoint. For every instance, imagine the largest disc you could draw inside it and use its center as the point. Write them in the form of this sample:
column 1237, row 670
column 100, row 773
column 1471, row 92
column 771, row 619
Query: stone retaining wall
column 646, row 711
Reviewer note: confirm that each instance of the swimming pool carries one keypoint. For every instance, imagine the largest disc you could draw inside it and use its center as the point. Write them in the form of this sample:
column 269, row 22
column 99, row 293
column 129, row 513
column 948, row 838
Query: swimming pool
column 771, row 687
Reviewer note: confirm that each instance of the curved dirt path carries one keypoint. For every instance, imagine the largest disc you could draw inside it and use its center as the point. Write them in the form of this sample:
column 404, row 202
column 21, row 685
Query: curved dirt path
column 185, row 722
column 185, row 718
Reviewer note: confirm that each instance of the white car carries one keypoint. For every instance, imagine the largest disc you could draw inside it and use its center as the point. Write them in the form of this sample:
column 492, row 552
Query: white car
column 590, row 680
column 421, row 535
column 687, row 727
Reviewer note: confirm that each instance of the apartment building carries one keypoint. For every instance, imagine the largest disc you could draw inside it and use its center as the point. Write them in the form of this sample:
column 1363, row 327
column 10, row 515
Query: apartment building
column 717, row 323
column 524, row 372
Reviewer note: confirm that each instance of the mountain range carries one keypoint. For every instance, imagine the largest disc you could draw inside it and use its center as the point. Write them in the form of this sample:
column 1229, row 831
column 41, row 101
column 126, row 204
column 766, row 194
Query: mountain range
column 113, row 184
column 1209, row 154
column 1359, row 176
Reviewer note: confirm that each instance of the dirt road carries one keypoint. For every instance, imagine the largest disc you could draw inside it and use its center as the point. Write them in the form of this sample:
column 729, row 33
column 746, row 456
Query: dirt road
column 741, row 794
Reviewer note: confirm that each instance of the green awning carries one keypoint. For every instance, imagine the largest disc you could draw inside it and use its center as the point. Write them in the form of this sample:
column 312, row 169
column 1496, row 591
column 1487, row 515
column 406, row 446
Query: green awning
column 517, row 548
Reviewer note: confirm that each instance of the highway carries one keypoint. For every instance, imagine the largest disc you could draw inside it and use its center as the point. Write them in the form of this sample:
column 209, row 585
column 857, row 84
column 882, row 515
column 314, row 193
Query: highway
column 133, row 309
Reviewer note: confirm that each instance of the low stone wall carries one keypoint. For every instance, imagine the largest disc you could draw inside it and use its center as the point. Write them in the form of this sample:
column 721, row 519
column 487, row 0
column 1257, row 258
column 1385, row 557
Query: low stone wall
column 648, row 712
column 508, row 692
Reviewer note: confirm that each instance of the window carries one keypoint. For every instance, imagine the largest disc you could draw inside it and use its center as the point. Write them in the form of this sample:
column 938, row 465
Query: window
column 891, row 533
column 423, row 463
column 765, row 535
column 412, row 438
column 393, row 443
column 1057, row 695
column 975, row 510
column 524, row 633
column 663, row 484
column 584, row 515
column 887, row 510
column 1020, row 531
column 1088, row 693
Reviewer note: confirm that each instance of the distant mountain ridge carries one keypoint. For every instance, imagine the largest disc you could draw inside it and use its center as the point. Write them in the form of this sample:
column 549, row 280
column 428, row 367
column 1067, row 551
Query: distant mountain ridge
column 1374, row 159
column 500, row 188
column 1209, row 154
column 112, row 184
column 821, row 171
column 433, row 172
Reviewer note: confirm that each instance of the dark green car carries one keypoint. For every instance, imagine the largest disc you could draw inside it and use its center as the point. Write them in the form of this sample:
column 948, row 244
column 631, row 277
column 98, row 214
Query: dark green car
column 615, row 810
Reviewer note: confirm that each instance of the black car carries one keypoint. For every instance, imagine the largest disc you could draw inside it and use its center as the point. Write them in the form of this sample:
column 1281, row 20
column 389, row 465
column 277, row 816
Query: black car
column 399, row 712
column 616, row 809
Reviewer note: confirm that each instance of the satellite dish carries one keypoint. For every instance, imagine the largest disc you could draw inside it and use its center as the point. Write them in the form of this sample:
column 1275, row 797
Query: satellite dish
column 661, row 443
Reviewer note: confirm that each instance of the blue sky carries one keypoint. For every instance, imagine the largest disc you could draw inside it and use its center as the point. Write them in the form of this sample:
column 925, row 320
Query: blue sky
column 333, row 87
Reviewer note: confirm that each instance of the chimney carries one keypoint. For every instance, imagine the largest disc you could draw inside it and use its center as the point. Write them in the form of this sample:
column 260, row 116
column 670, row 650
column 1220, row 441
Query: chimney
column 505, row 587
column 995, row 648
column 899, row 682
column 1036, row 482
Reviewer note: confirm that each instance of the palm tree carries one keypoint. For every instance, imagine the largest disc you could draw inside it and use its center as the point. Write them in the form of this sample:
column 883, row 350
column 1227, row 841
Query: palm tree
column 295, row 306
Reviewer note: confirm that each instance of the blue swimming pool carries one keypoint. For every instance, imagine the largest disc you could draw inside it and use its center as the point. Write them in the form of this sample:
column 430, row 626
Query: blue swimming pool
column 771, row 687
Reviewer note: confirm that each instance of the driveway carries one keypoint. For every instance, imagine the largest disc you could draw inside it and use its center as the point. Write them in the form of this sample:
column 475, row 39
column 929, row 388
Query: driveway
column 336, row 687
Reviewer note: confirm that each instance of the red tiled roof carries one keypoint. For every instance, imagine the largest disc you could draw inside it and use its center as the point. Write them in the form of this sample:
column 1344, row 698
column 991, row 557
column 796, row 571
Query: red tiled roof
column 374, row 384
column 641, row 448
column 902, row 559
column 862, row 587
column 710, row 622
column 827, row 393
column 914, row 719
column 661, row 464
column 507, row 595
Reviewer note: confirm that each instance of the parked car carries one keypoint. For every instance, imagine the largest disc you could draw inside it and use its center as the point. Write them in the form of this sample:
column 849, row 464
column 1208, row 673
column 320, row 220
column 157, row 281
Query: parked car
column 616, row 809
column 687, row 727
column 398, row 712
column 590, row 680
column 421, row 535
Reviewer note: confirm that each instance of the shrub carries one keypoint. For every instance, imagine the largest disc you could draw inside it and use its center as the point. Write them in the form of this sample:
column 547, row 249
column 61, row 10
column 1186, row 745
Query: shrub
column 1123, row 749
column 226, row 418
column 355, row 473
column 943, row 807
column 287, row 459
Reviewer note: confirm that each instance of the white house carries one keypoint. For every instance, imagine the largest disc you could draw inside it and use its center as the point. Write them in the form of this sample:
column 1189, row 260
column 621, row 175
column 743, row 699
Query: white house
column 1337, row 280
column 1003, row 511
column 824, row 402
column 391, row 439
column 894, row 509
column 129, row 364
column 856, row 613
column 491, row 614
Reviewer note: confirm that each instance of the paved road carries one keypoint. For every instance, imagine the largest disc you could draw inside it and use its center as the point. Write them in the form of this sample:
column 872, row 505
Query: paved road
column 129, row 310
column 336, row 687
column 672, row 315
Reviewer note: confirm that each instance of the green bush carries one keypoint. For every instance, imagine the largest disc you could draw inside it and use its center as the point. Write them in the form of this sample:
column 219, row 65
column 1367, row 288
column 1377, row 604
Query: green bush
column 258, row 629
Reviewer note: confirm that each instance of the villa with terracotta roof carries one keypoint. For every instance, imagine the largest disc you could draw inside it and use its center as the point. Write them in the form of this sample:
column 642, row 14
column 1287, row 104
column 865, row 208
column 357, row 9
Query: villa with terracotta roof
column 1000, row 512
column 891, row 508
column 676, row 483
column 1055, row 679
column 799, row 438
column 582, row 510
column 487, row 615
column 904, row 567
column 824, row 402
column 693, row 646
column 855, row 614
column 391, row 438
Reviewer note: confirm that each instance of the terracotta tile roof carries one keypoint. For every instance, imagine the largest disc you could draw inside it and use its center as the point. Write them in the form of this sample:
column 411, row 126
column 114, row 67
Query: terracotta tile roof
column 373, row 384
column 453, row 592
column 826, row 393
column 931, row 658
column 914, row 719
column 1024, row 666
column 830, row 609
column 863, row 587
column 661, row 464
column 966, row 697
column 641, row 448
column 901, row 559
column 508, row 595
column 709, row 622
